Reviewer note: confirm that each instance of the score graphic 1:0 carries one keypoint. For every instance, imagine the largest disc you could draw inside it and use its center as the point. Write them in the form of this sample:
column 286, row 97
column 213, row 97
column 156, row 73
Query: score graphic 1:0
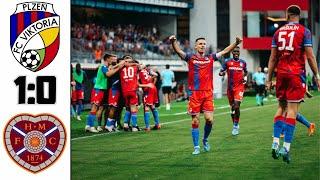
column 39, row 87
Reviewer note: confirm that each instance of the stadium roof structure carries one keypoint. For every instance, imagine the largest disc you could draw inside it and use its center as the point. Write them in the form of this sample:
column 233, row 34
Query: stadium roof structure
column 169, row 7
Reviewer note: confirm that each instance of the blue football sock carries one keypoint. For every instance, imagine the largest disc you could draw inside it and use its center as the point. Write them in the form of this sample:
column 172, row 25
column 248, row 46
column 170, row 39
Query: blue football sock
column 155, row 116
column 289, row 131
column 147, row 119
column 207, row 130
column 195, row 136
column 110, row 122
column 90, row 120
column 236, row 121
column 126, row 117
column 303, row 120
column 134, row 119
column 79, row 109
column 278, row 126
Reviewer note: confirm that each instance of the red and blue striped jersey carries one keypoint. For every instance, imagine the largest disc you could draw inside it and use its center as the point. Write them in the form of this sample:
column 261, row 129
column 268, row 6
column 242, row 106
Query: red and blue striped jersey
column 235, row 69
column 200, row 75
column 290, row 41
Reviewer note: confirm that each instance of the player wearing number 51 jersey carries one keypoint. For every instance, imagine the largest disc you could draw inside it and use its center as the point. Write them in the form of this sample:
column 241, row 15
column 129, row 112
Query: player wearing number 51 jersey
column 291, row 45
column 237, row 70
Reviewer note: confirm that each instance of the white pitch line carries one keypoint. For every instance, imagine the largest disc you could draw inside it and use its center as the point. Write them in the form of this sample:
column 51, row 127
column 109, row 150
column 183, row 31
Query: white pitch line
column 223, row 107
column 173, row 122
column 50, row 131
column 19, row 131
column 185, row 112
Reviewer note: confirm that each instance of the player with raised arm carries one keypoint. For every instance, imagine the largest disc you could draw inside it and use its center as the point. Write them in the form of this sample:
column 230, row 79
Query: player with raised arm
column 100, row 86
column 237, row 71
column 200, row 85
column 150, row 96
column 290, row 45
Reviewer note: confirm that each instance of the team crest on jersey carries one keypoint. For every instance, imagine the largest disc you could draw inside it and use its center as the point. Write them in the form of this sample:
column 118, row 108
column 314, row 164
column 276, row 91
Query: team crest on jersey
column 34, row 142
column 34, row 34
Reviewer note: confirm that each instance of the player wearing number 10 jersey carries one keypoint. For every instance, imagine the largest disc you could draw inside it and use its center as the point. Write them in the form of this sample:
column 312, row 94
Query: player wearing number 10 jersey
column 129, row 87
column 290, row 45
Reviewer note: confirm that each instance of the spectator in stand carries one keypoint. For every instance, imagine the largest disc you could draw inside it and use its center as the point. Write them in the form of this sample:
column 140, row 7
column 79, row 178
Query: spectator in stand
column 129, row 38
column 98, row 55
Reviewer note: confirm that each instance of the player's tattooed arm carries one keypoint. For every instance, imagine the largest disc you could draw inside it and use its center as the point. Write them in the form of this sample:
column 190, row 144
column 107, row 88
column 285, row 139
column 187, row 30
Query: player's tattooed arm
column 229, row 48
column 271, row 65
column 149, row 85
column 176, row 47
column 113, row 69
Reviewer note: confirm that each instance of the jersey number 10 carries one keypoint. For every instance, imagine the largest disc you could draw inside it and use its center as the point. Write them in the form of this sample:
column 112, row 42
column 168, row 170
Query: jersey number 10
column 128, row 72
column 283, row 37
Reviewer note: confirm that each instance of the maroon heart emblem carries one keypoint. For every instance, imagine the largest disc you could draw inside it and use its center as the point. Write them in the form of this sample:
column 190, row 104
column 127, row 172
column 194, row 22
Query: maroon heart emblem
column 35, row 141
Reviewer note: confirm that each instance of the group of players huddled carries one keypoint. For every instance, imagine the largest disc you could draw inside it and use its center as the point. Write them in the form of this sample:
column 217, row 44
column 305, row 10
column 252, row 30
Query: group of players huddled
column 116, row 86
column 291, row 46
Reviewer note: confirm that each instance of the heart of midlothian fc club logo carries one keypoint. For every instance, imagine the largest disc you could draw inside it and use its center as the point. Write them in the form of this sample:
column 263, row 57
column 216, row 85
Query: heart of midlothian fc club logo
column 34, row 34
column 34, row 142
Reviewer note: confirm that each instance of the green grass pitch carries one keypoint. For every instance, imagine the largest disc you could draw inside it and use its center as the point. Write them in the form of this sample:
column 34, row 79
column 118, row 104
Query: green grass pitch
column 166, row 154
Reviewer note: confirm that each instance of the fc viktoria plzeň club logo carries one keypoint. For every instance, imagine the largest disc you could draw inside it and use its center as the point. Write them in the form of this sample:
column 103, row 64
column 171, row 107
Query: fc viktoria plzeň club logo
column 34, row 34
column 34, row 142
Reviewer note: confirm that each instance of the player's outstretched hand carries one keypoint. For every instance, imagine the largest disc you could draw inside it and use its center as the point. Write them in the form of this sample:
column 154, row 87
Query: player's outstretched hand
column 122, row 63
column 238, row 40
column 172, row 38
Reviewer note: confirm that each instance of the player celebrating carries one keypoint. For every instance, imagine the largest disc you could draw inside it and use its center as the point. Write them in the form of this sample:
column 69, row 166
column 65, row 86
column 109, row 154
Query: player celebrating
column 237, row 72
column 150, row 96
column 290, row 45
column 99, row 89
column 129, row 87
column 200, row 85
column 78, row 93
column 113, row 98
